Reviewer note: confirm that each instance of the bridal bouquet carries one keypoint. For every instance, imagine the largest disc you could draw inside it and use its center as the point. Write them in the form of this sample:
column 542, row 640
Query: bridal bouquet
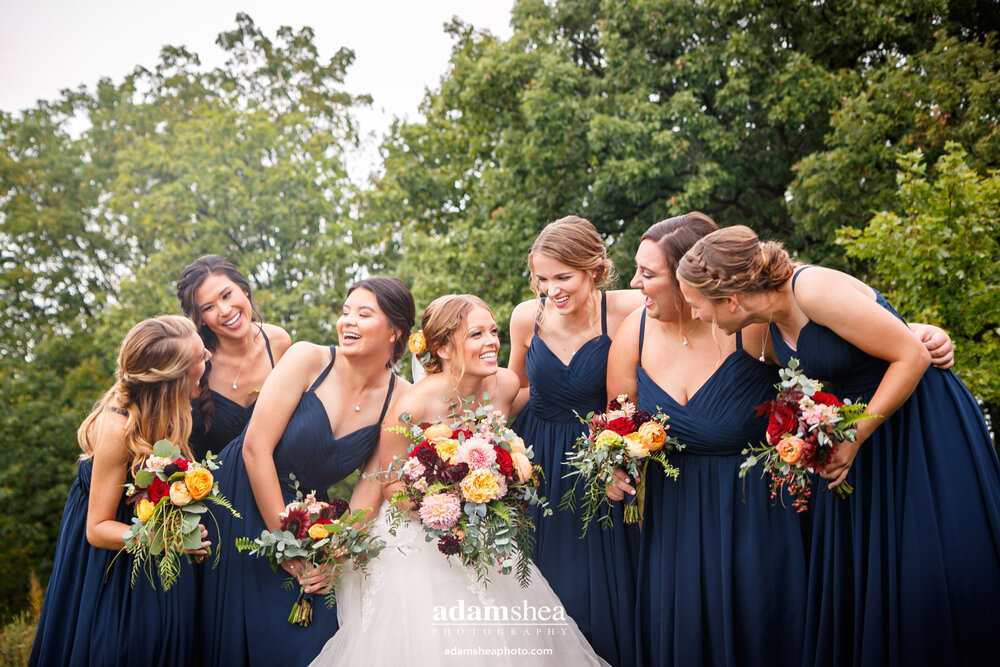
column 470, row 483
column 168, row 495
column 623, row 437
column 805, row 427
column 319, row 533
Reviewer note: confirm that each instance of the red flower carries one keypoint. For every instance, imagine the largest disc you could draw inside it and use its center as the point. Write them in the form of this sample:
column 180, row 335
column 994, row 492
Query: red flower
column 296, row 521
column 822, row 398
column 157, row 489
column 504, row 460
column 335, row 509
column 182, row 464
column 782, row 420
column 462, row 431
column 422, row 445
column 621, row 426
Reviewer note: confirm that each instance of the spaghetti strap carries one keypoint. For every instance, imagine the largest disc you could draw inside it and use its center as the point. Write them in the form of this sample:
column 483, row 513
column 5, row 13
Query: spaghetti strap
column 739, row 339
column 642, row 333
column 795, row 276
column 604, row 313
column 326, row 371
column 388, row 395
column 267, row 344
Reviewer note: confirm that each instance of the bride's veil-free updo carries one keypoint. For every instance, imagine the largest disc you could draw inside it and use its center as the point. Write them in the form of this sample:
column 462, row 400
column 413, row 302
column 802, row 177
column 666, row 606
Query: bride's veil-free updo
column 734, row 261
column 444, row 317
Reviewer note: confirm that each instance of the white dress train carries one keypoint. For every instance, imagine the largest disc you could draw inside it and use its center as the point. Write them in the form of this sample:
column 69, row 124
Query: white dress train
column 417, row 607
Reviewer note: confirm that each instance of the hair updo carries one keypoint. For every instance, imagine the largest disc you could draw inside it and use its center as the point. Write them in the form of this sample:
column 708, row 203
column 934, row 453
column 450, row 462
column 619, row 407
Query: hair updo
column 445, row 316
column 734, row 261
column 395, row 300
column 574, row 242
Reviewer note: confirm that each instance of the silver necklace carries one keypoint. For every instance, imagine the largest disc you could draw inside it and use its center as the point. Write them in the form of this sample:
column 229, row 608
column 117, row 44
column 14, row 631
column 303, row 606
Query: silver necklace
column 240, row 369
column 763, row 348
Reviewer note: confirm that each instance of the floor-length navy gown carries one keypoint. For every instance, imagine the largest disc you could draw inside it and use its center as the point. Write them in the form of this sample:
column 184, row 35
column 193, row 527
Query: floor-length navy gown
column 907, row 570
column 93, row 616
column 229, row 418
column 594, row 577
column 245, row 606
column 721, row 575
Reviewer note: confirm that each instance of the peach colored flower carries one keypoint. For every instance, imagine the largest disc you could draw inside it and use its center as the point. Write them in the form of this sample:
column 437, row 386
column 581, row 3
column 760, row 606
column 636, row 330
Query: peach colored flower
column 179, row 494
column 521, row 465
column 607, row 439
column 447, row 449
column 653, row 435
column 517, row 445
column 199, row 482
column 144, row 509
column 437, row 432
column 634, row 446
column 790, row 449
column 417, row 343
column 480, row 486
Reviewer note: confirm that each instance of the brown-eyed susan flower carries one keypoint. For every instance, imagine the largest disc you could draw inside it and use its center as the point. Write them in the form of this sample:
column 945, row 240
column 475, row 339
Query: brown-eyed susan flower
column 199, row 482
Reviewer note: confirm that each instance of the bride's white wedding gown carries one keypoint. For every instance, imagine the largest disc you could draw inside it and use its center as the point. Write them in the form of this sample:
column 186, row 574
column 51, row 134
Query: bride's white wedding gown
column 417, row 607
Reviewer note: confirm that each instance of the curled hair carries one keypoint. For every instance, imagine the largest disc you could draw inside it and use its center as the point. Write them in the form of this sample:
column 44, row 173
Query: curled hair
column 192, row 277
column 151, row 385
column 734, row 261
column 395, row 300
column 445, row 316
column 572, row 241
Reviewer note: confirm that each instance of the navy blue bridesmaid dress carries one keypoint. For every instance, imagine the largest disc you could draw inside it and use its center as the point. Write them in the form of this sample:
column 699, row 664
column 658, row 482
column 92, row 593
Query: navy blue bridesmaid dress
column 594, row 577
column 245, row 606
column 721, row 574
column 907, row 570
column 93, row 616
column 228, row 420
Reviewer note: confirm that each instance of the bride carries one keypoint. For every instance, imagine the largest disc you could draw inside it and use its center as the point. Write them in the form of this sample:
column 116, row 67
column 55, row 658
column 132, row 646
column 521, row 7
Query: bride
column 415, row 606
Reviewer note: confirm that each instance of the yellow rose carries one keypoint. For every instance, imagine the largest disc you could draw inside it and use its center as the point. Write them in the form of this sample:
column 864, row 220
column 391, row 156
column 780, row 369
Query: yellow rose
column 634, row 446
column 317, row 531
column 437, row 432
column 179, row 494
column 517, row 445
column 653, row 435
column 607, row 439
column 417, row 343
column 199, row 482
column 522, row 466
column 144, row 509
column 480, row 486
column 447, row 449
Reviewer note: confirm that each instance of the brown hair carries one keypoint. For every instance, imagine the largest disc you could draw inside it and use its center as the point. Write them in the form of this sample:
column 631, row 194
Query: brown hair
column 193, row 275
column 395, row 300
column 733, row 260
column 151, row 385
column 445, row 316
column 675, row 236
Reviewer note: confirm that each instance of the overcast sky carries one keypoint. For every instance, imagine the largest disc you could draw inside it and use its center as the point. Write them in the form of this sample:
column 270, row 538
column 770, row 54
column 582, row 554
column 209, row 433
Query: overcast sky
column 400, row 46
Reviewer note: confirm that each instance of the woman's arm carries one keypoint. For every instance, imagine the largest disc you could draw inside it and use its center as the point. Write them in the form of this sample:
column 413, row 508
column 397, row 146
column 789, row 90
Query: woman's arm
column 111, row 461
column 278, row 399
column 623, row 358
column 621, row 304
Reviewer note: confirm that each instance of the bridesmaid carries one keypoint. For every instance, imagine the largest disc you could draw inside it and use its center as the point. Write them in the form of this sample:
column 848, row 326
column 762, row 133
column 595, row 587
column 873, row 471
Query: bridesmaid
column 324, row 409
column 720, row 571
column 218, row 299
column 907, row 570
column 91, row 613
column 559, row 345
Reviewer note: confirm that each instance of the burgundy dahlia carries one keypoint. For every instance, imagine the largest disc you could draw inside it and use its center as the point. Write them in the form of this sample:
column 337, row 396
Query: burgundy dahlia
column 640, row 417
column 335, row 509
column 449, row 545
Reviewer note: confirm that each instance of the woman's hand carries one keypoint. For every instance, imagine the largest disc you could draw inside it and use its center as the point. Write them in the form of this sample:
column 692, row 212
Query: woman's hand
column 318, row 579
column 205, row 544
column 937, row 342
column 838, row 467
column 621, row 486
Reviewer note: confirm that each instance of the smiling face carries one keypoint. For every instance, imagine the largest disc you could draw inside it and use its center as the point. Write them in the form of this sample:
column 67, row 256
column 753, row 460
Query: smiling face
column 224, row 307
column 654, row 279
column 477, row 345
column 567, row 288
column 362, row 326
column 197, row 368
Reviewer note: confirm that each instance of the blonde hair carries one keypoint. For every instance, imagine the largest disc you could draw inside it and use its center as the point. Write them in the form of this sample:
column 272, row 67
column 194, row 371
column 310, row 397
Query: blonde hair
column 152, row 386
column 443, row 318
column 734, row 261
column 572, row 241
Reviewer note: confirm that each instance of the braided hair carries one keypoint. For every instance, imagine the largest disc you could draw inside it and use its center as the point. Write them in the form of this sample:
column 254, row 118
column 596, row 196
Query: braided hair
column 734, row 261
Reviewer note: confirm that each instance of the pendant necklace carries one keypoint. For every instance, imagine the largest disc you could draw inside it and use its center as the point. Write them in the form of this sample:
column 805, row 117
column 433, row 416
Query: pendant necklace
column 240, row 369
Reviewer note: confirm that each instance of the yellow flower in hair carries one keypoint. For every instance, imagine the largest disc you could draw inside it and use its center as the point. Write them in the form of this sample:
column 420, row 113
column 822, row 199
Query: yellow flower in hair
column 417, row 343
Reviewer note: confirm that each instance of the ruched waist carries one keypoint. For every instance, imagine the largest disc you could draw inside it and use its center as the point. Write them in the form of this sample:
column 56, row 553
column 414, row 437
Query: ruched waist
column 552, row 412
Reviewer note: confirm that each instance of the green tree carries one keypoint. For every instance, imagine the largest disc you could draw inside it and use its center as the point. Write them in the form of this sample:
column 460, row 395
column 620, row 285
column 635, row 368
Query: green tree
column 936, row 256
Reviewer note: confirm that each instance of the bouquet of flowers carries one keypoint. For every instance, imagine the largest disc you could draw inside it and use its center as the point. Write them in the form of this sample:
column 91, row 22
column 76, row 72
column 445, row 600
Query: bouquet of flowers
column 805, row 427
column 319, row 533
column 470, row 483
column 169, row 494
column 623, row 437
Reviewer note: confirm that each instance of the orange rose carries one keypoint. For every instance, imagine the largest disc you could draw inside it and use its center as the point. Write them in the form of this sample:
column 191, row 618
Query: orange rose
column 653, row 435
column 317, row 531
column 447, row 449
column 417, row 343
column 790, row 449
column 437, row 432
column 522, row 466
column 144, row 509
column 480, row 486
column 199, row 482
